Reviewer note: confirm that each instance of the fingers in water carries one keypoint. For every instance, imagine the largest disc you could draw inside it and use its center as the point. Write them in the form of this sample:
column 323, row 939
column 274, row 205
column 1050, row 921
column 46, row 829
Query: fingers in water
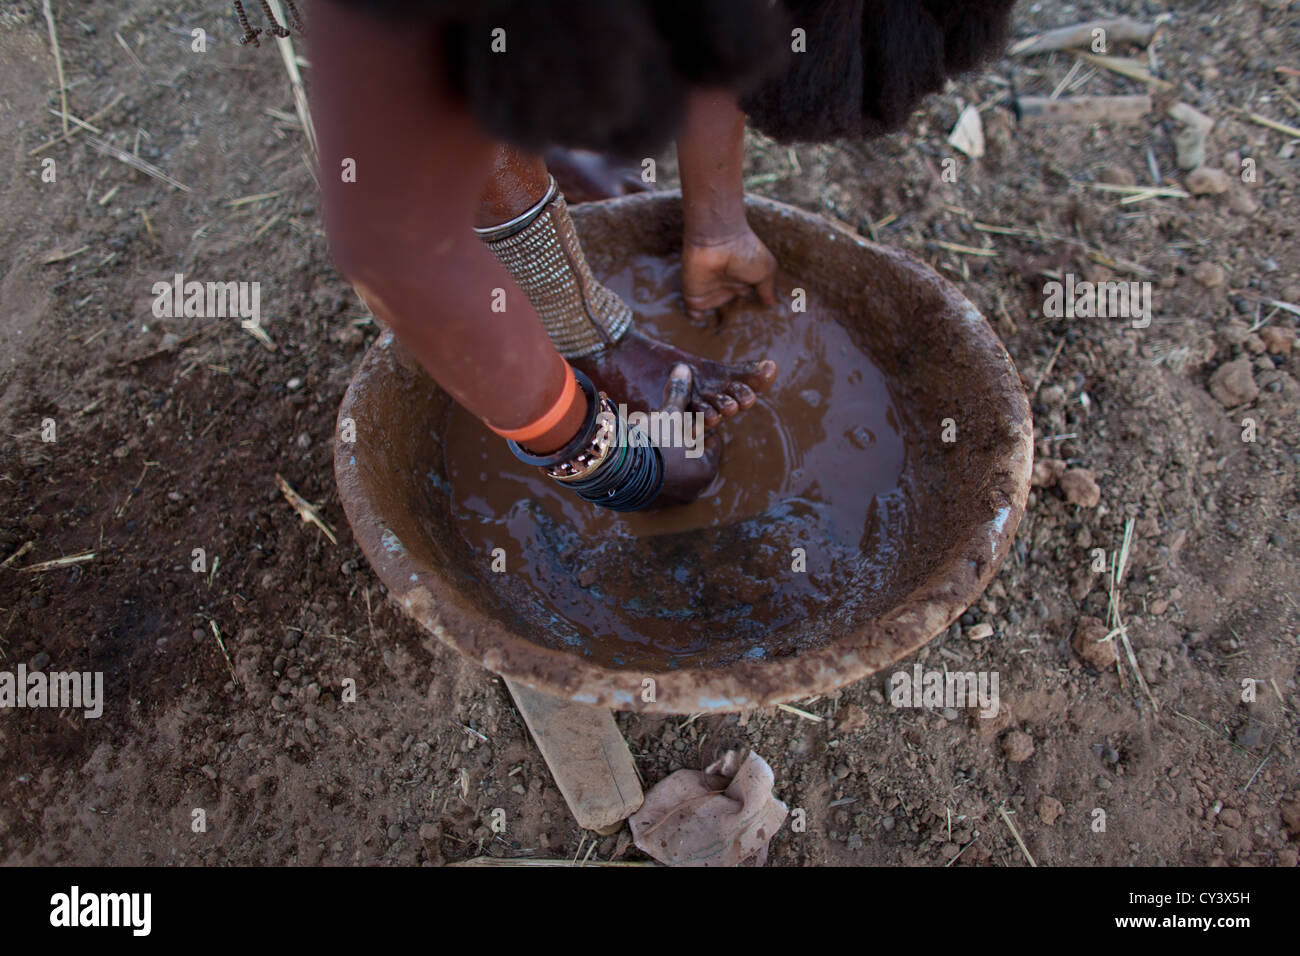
column 678, row 389
column 711, row 415
column 725, row 404
column 757, row 375
column 743, row 394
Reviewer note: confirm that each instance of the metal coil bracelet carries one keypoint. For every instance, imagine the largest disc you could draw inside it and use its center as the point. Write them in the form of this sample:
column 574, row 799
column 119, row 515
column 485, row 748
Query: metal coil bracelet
column 607, row 463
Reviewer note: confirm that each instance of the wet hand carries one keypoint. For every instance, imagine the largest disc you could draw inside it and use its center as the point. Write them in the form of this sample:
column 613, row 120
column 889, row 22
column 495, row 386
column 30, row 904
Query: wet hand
column 689, row 467
column 716, row 272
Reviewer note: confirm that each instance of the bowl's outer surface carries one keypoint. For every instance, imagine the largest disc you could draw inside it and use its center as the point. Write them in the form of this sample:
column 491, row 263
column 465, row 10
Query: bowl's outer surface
column 945, row 360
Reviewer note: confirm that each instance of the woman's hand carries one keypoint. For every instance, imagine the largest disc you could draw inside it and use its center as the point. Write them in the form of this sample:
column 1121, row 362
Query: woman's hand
column 685, row 477
column 721, row 257
column 715, row 272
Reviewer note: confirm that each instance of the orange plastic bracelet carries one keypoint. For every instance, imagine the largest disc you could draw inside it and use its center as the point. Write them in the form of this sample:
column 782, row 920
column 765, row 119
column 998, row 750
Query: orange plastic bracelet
column 552, row 417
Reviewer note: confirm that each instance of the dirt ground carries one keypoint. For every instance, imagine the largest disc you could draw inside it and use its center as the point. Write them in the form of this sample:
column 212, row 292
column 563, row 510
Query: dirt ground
column 170, row 434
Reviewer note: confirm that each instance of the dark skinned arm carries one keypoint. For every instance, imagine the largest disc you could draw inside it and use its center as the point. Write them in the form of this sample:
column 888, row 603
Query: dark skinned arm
column 402, row 231
column 722, row 259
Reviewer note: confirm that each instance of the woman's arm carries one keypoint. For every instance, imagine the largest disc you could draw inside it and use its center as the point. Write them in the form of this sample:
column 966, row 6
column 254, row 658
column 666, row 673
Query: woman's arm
column 721, row 256
column 402, row 231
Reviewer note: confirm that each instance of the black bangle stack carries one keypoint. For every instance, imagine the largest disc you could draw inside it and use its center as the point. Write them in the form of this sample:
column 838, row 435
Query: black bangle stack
column 630, row 478
column 632, row 473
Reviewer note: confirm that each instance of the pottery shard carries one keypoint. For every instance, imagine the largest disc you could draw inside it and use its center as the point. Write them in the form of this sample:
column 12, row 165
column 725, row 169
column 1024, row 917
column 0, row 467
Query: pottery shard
column 1090, row 643
column 1232, row 383
column 1080, row 487
column 1278, row 340
column 1206, row 181
column 1047, row 472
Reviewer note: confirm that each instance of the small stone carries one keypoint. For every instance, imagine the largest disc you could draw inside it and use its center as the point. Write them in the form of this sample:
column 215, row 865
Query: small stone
column 1230, row 818
column 347, row 335
column 1291, row 815
column 1235, row 333
column 1049, row 809
column 1053, row 396
column 850, row 718
column 1018, row 746
column 293, row 384
column 1207, row 181
column 979, row 632
column 1189, row 148
column 1090, row 644
column 1232, row 383
column 40, row 661
column 1250, row 735
column 1242, row 202
column 1116, row 175
column 1210, row 275
column 1047, row 472
column 1080, row 487
column 1279, row 340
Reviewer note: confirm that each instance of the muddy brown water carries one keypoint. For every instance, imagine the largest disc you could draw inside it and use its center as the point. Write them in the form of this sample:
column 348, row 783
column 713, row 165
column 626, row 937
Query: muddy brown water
column 809, row 509
column 711, row 611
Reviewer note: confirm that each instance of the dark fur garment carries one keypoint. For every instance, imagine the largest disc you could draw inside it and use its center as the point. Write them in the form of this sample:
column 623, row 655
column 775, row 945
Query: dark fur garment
column 869, row 63
column 611, row 75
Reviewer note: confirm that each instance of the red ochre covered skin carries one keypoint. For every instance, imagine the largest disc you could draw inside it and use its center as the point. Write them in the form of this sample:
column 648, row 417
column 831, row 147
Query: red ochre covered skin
column 808, row 509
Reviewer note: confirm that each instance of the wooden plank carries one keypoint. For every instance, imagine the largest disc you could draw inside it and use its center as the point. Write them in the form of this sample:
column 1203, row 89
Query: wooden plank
column 587, row 756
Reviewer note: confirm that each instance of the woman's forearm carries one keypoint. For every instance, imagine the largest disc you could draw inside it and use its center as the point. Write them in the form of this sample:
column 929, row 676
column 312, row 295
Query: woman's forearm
column 721, row 257
column 400, row 228
column 710, row 155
